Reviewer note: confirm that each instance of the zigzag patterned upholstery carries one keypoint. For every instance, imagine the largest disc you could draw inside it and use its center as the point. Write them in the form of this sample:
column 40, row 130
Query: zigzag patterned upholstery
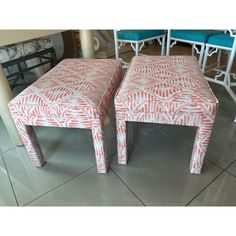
column 167, row 90
column 76, row 94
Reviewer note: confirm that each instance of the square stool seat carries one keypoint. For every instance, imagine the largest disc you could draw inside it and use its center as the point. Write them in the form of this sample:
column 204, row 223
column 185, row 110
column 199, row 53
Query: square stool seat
column 194, row 35
column 76, row 94
column 167, row 90
column 136, row 35
column 222, row 40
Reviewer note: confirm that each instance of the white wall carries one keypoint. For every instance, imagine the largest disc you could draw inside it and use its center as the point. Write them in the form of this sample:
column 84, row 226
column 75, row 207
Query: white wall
column 8, row 37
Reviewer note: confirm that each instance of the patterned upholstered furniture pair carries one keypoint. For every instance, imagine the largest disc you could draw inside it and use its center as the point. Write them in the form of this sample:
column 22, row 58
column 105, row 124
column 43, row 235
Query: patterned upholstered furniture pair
column 167, row 90
column 76, row 94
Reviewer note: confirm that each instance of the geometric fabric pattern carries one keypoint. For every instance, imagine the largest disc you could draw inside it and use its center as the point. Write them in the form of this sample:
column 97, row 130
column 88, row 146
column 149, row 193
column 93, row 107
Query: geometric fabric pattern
column 75, row 94
column 166, row 90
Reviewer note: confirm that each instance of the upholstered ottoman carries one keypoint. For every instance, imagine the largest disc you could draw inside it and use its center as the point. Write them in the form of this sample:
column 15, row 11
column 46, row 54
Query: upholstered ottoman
column 167, row 90
column 76, row 94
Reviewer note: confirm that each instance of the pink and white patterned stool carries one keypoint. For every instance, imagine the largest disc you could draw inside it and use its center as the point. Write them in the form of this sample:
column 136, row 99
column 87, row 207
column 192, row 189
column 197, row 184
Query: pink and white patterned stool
column 167, row 90
column 77, row 94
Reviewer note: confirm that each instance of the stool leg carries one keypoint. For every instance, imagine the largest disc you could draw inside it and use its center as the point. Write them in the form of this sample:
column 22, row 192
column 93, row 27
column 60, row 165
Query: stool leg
column 200, row 148
column 201, row 55
column 99, row 146
column 116, row 45
column 193, row 49
column 31, row 144
column 219, row 59
column 163, row 45
column 205, row 59
column 121, row 141
column 136, row 49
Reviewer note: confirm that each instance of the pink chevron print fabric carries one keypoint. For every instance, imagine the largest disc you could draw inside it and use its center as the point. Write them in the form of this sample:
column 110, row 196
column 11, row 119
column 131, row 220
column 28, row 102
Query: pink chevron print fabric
column 167, row 90
column 76, row 94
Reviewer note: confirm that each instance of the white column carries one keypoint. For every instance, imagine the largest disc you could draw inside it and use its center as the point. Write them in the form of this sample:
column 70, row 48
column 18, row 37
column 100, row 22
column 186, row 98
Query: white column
column 5, row 96
column 86, row 39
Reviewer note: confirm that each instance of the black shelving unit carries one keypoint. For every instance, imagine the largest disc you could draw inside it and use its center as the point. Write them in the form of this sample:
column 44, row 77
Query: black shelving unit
column 46, row 56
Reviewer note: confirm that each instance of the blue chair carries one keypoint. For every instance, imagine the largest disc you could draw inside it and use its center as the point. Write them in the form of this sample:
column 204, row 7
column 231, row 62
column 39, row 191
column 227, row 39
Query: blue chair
column 215, row 44
column 193, row 37
column 137, row 38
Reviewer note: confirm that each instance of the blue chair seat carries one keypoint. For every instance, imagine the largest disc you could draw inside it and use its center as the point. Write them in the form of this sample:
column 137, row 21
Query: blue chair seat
column 194, row 35
column 137, row 35
column 223, row 40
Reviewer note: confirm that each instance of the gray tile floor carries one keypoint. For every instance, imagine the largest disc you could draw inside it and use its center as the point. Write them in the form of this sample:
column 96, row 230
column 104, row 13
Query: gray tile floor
column 157, row 173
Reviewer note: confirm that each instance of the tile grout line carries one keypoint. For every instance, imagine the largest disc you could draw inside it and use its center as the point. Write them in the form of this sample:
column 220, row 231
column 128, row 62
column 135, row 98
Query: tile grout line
column 128, row 187
column 230, row 173
column 10, row 181
column 8, row 150
column 205, row 187
column 226, row 169
column 73, row 177
column 223, row 171
column 220, row 166
column 215, row 164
